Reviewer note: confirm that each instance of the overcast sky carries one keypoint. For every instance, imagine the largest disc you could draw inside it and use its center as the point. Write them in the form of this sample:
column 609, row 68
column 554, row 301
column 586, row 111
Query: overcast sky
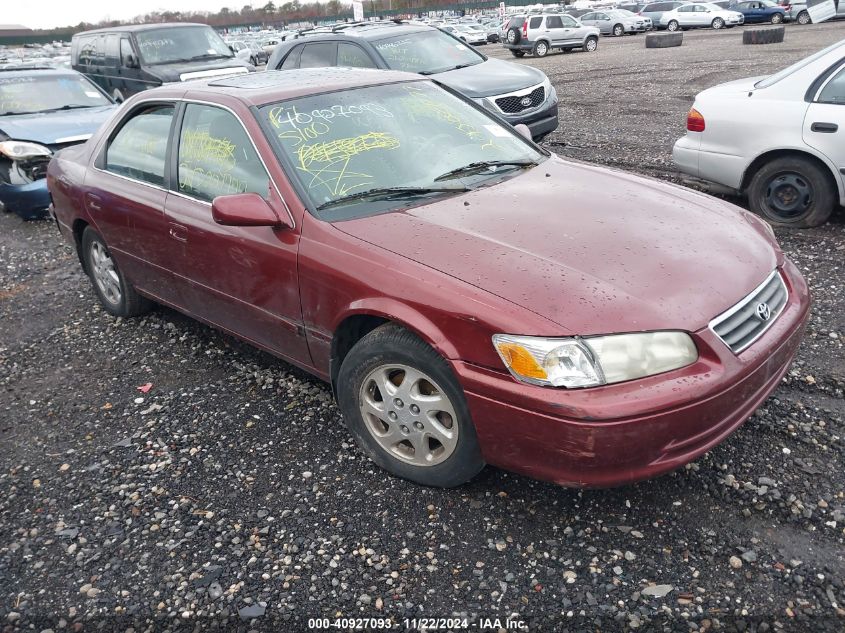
column 45, row 14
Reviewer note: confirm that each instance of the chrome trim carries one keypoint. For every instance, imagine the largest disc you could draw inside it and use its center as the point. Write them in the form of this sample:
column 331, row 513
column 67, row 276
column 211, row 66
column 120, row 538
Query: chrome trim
column 739, row 305
column 208, row 103
column 135, row 180
column 81, row 138
column 522, row 92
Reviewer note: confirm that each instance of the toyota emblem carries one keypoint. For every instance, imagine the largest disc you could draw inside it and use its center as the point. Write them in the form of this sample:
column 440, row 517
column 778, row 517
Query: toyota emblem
column 526, row 101
column 763, row 311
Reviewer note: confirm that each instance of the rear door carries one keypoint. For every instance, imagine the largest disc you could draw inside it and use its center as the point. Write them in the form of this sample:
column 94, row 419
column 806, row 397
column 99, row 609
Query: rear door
column 554, row 29
column 824, row 123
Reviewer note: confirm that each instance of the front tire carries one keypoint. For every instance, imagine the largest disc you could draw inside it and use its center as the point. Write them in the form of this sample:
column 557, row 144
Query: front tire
column 618, row 30
column 792, row 191
column 717, row 23
column 406, row 409
column 803, row 18
column 541, row 49
column 591, row 44
column 777, row 18
column 115, row 293
column 673, row 26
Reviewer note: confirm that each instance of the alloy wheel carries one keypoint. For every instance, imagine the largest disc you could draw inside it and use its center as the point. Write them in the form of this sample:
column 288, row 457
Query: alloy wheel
column 105, row 274
column 409, row 415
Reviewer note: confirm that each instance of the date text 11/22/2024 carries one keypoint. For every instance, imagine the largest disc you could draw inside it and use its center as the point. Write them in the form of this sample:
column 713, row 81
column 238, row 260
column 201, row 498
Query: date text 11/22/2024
column 417, row 624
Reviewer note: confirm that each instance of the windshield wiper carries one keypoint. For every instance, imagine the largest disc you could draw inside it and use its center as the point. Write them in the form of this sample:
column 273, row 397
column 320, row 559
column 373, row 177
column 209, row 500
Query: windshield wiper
column 481, row 165
column 209, row 56
column 390, row 193
column 444, row 70
column 71, row 106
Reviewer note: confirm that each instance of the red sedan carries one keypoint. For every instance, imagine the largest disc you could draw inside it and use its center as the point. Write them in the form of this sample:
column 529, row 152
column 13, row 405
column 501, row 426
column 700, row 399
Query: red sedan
column 471, row 298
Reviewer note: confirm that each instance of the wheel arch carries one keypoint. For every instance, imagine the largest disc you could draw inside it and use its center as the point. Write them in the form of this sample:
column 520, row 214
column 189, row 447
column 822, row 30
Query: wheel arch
column 78, row 228
column 364, row 317
column 770, row 155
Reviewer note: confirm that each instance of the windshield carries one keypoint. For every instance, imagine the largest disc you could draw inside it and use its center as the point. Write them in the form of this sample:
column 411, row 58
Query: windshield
column 26, row 94
column 354, row 141
column 181, row 44
column 426, row 52
column 622, row 13
column 786, row 72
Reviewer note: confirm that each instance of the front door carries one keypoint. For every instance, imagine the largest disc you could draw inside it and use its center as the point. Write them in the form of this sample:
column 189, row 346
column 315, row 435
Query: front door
column 824, row 123
column 243, row 279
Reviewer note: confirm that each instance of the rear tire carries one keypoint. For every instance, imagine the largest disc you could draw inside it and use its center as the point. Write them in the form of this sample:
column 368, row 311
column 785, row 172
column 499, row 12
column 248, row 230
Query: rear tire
column 792, row 191
column 673, row 26
column 517, row 53
column 115, row 293
column 390, row 424
column 541, row 49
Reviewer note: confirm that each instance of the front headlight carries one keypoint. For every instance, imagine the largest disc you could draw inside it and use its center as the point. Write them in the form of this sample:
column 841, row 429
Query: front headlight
column 20, row 150
column 598, row 360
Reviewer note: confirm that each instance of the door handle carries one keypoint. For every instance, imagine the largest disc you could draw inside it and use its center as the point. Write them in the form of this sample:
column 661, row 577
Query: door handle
column 93, row 201
column 820, row 126
column 178, row 232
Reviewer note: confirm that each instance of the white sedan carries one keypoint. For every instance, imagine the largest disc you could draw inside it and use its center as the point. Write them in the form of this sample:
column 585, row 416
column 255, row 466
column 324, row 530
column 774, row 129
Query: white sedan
column 780, row 140
column 698, row 15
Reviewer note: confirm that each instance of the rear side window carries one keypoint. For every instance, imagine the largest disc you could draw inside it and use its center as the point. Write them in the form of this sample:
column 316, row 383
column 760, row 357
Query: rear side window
column 554, row 22
column 139, row 149
column 216, row 157
column 834, row 91
column 318, row 55
column 353, row 56
column 535, row 23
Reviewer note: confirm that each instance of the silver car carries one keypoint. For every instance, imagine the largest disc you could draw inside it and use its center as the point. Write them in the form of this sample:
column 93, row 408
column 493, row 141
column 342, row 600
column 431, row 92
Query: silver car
column 539, row 33
column 616, row 22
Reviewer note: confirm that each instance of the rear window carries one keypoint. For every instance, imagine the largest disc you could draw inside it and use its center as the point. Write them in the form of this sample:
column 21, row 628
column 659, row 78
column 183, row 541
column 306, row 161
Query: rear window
column 535, row 23
column 516, row 23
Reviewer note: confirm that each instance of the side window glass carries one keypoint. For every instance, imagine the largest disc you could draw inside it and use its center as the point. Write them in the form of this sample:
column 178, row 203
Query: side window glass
column 353, row 56
column 125, row 51
column 318, row 55
column 216, row 157
column 292, row 60
column 535, row 23
column 568, row 22
column 834, row 91
column 554, row 22
column 139, row 149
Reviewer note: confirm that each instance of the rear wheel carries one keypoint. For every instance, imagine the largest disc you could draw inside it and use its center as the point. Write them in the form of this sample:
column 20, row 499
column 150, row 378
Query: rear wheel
column 541, row 49
column 777, row 18
column 717, row 23
column 591, row 44
column 673, row 26
column 115, row 293
column 792, row 191
column 618, row 30
column 406, row 409
column 804, row 18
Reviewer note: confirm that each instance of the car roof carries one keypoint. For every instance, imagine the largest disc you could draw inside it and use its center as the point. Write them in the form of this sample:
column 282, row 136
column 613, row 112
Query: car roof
column 134, row 28
column 36, row 70
column 270, row 86
column 366, row 30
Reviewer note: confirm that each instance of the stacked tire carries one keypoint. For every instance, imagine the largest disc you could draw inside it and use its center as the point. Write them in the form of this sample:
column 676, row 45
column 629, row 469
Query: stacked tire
column 764, row 36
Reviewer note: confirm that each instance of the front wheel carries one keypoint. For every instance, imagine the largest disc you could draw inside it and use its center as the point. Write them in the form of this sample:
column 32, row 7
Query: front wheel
column 804, row 18
column 792, row 191
column 541, row 49
column 115, row 293
column 673, row 26
column 618, row 30
column 406, row 409
column 591, row 44
column 717, row 23
column 777, row 18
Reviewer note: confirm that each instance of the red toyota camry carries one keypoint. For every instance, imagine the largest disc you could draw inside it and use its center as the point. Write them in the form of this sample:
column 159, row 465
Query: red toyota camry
column 471, row 298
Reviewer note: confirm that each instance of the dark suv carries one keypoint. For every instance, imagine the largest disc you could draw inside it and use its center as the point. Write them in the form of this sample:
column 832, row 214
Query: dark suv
column 517, row 93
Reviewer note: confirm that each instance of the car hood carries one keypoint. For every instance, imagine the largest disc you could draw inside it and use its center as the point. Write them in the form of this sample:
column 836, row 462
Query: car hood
column 492, row 77
column 50, row 128
column 174, row 72
column 593, row 250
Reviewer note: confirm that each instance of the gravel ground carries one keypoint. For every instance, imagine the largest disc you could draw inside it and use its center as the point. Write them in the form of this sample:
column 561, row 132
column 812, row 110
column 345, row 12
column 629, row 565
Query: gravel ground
column 230, row 495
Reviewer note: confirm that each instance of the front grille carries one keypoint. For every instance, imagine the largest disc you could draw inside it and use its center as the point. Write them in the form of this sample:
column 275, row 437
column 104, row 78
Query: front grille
column 513, row 103
column 744, row 323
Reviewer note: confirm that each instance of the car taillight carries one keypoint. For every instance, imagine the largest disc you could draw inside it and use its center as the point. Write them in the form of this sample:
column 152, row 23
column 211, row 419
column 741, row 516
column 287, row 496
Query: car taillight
column 525, row 29
column 695, row 121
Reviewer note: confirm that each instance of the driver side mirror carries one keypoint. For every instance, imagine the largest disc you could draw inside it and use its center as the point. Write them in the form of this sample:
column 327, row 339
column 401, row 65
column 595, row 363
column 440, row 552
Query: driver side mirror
column 524, row 130
column 132, row 61
column 244, row 209
column 231, row 48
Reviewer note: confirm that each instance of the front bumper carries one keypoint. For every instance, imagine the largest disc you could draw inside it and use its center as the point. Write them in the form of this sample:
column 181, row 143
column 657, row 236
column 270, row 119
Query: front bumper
column 542, row 121
column 30, row 201
column 619, row 434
